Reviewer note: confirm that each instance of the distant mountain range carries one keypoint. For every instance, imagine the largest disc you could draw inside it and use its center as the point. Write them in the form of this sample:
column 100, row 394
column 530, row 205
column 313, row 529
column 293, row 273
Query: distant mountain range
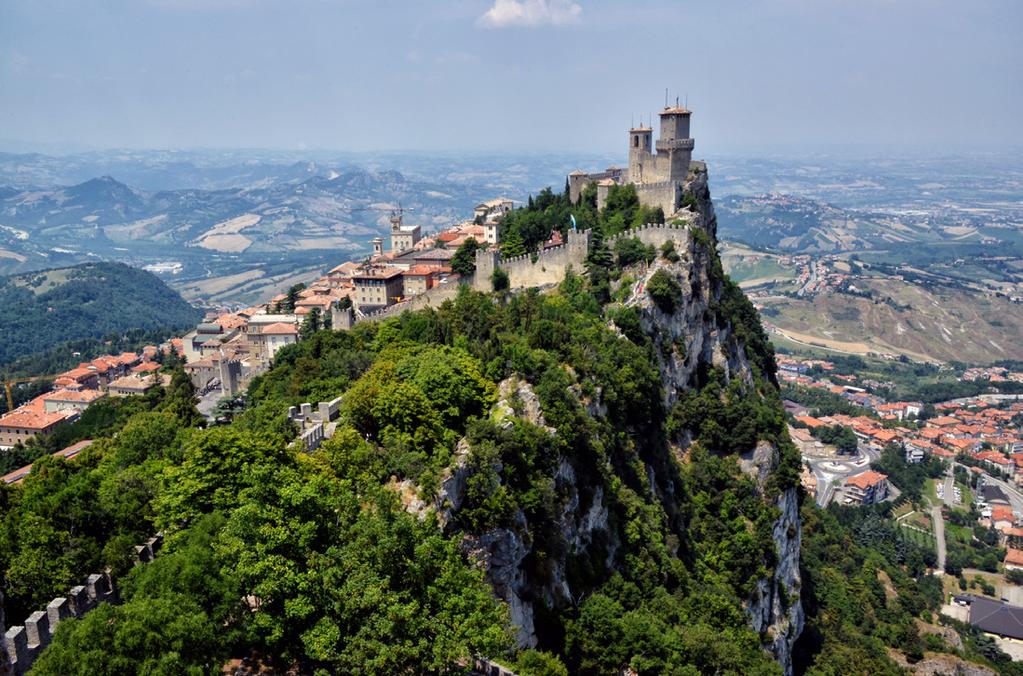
column 803, row 225
column 105, row 218
column 195, row 215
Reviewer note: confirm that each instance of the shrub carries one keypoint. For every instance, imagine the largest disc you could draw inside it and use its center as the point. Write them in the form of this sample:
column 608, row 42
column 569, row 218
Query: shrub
column 668, row 251
column 499, row 279
column 631, row 250
column 665, row 291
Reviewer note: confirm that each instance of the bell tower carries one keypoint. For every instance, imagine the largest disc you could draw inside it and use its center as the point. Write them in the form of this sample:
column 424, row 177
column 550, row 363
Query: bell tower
column 640, row 148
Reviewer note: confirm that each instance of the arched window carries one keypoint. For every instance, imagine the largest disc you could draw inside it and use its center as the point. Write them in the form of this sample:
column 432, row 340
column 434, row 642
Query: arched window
column 635, row 141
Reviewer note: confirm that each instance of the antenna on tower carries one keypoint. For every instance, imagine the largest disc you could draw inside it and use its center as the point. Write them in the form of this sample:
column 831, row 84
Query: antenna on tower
column 665, row 97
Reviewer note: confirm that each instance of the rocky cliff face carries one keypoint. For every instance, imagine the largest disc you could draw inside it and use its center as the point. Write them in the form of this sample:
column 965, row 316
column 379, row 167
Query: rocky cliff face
column 688, row 342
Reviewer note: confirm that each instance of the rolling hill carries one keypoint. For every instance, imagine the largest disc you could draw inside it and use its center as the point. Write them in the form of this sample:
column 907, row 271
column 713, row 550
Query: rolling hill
column 44, row 309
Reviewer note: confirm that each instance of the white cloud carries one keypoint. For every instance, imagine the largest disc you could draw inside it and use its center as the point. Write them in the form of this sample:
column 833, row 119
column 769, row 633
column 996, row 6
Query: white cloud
column 531, row 13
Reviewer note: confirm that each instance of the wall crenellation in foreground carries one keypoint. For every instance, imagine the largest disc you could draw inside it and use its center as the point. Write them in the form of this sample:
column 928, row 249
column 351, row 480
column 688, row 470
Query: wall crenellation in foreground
column 23, row 644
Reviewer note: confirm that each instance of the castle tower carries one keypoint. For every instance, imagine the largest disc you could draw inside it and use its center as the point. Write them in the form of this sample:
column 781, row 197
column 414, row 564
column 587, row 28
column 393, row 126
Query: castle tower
column 378, row 246
column 674, row 143
column 639, row 152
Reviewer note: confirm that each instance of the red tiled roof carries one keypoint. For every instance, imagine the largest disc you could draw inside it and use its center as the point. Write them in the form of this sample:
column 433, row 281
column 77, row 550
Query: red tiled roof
column 810, row 421
column 866, row 480
column 31, row 417
column 81, row 396
column 943, row 421
column 279, row 329
column 1001, row 513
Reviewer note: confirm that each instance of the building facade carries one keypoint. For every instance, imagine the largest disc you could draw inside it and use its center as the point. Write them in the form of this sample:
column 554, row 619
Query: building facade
column 377, row 287
column 658, row 169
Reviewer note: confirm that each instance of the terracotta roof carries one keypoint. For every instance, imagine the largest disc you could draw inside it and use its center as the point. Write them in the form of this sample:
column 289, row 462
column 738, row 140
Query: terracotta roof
column 133, row 382
column 230, row 321
column 1002, row 513
column 1014, row 556
column 32, row 418
column 81, row 396
column 810, row 421
column 422, row 270
column 377, row 273
column 943, row 421
column 885, row 435
column 147, row 367
column 866, row 480
column 279, row 329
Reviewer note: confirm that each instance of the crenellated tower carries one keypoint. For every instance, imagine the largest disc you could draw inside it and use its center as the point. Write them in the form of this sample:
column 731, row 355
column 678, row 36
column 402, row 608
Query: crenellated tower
column 675, row 145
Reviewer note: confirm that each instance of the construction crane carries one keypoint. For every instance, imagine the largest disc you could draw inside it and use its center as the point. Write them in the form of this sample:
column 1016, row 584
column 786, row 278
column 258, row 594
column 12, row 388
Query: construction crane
column 16, row 381
column 396, row 212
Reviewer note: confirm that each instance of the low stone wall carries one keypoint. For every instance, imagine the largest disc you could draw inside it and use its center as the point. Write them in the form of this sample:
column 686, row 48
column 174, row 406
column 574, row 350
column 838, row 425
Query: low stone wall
column 23, row 644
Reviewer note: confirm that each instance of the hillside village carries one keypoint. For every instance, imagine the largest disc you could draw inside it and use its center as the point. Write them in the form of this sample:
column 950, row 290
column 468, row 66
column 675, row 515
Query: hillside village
column 227, row 349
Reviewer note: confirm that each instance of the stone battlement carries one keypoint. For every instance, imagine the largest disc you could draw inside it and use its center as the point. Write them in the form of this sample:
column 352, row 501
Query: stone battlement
column 547, row 268
column 23, row 644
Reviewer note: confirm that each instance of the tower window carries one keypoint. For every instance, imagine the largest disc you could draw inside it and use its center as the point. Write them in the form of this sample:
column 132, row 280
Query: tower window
column 635, row 141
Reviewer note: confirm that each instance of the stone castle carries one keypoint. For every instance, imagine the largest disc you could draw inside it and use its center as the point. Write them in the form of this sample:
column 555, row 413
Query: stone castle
column 657, row 170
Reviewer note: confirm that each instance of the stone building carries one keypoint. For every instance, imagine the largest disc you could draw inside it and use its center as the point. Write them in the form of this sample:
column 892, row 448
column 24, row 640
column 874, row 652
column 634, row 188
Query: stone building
column 403, row 237
column 657, row 169
column 376, row 287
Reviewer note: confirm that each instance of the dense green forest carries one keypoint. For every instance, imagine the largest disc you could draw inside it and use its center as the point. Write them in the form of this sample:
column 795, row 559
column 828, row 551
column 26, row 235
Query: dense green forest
column 322, row 562
column 55, row 309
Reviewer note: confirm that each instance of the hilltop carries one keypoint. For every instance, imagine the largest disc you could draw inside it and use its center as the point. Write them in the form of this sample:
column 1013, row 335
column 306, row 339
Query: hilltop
column 41, row 310
column 585, row 480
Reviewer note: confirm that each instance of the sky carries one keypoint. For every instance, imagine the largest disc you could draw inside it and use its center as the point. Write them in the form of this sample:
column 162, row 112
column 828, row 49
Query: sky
column 761, row 76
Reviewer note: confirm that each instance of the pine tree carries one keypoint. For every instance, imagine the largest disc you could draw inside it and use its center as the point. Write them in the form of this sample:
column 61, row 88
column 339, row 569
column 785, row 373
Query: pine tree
column 600, row 254
column 513, row 245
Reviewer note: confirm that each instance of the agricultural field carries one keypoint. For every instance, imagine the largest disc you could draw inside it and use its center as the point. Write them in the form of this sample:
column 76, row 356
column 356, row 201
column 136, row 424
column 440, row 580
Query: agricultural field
column 939, row 324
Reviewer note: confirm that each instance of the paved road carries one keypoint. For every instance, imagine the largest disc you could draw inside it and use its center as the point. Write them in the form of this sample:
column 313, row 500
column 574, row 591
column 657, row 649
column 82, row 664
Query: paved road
column 840, row 468
column 949, row 495
column 1015, row 497
column 939, row 538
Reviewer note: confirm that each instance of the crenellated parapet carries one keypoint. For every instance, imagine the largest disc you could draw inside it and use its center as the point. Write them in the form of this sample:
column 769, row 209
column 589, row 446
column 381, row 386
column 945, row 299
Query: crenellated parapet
column 543, row 268
column 23, row 644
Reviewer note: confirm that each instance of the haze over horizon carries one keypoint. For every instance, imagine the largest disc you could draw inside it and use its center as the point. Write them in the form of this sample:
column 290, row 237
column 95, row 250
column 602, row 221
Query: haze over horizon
column 793, row 76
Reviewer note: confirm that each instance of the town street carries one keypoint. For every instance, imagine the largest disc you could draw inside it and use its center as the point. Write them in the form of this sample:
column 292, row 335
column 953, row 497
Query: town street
column 838, row 468
column 949, row 494
column 939, row 537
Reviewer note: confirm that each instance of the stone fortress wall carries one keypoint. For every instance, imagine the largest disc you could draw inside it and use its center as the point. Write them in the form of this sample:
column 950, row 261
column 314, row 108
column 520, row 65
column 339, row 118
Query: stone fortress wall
column 544, row 268
column 23, row 644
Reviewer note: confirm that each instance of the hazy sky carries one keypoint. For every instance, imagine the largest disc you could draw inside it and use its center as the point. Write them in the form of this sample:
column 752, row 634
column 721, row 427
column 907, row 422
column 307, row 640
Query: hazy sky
column 761, row 76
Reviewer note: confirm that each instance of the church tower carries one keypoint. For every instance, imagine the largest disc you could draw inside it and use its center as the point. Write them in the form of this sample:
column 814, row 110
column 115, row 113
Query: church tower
column 640, row 149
